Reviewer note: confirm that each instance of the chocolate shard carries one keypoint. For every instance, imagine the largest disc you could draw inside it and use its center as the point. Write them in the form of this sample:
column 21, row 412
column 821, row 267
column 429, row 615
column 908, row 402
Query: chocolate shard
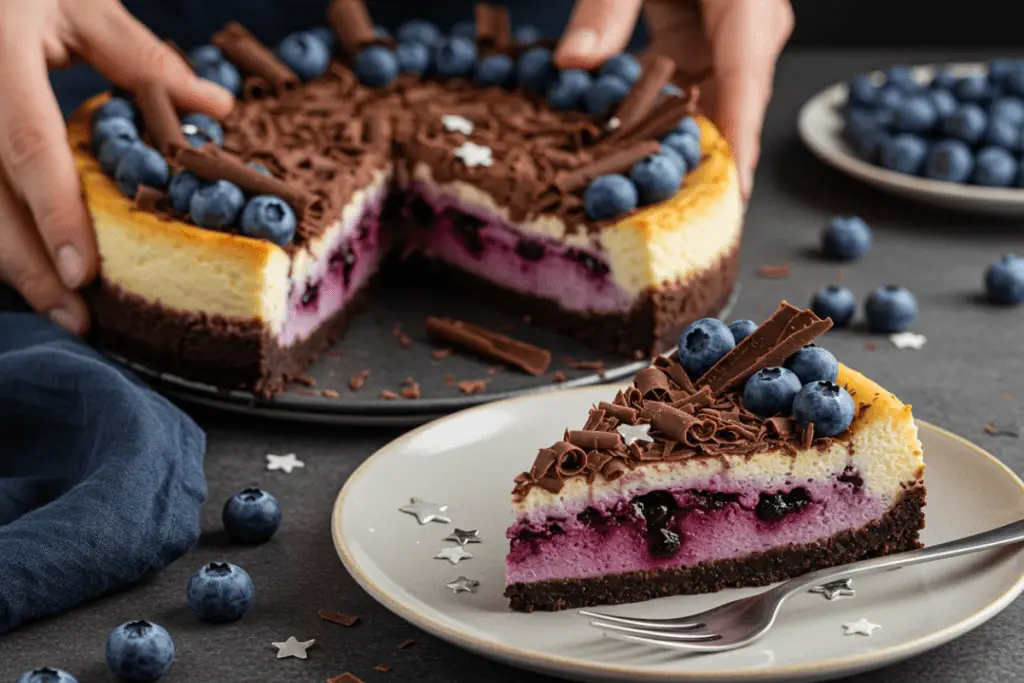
column 148, row 198
column 657, row 73
column 652, row 383
column 491, row 345
column 621, row 413
column 249, row 54
column 594, row 419
column 551, row 484
column 593, row 440
column 351, row 22
column 162, row 122
column 663, row 117
column 702, row 397
column 493, row 28
column 545, row 460
column 211, row 163
column 670, row 366
column 617, row 161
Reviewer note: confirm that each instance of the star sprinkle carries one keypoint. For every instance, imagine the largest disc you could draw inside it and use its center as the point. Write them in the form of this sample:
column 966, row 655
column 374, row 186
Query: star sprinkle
column 632, row 433
column 835, row 589
column 453, row 123
column 862, row 627
column 425, row 512
column 473, row 154
column 463, row 585
column 908, row 340
column 293, row 648
column 285, row 463
column 462, row 536
column 454, row 554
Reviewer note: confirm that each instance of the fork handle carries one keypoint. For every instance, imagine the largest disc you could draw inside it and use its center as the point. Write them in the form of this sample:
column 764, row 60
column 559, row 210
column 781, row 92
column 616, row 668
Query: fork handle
column 995, row 538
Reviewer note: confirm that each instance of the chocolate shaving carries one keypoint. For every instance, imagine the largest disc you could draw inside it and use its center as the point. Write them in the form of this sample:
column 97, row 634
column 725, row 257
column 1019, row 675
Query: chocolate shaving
column 613, row 469
column 664, row 116
column 652, row 383
column 775, row 272
column 569, row 459
column 592, row 440
column 338, row 617
column 330, row 393
column 471, row 386
column 701, row 397
column 617, row 161
column 782, row 427
column 671, row 367
column 645, row 92
column 210, row 163
column 406, row 644
column 352, row 24
column 491, row 345
column 545, row 460
column 249, row 54
column 441, row 354
column 669, row 421
column 383, row 668
column 493, row 28
column 594, row 419
column 346, row 678
column 619, row 412
column 808, row 435
column 162, row 122
column 148, row 198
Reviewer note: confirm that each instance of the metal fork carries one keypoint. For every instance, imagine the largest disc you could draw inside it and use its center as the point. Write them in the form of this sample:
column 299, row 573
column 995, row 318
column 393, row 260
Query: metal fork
column 741, row 622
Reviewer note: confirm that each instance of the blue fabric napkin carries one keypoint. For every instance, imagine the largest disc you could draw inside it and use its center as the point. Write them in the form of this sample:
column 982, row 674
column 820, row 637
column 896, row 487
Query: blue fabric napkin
column 101, row 479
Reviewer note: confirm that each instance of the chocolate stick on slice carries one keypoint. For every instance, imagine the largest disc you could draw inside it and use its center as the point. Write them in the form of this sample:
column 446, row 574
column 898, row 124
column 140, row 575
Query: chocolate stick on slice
column 657, row 74
column 493, row 27
column 154, row 100
column 210, row 163
column 351, row 22
column 659, row 121
column 490, row 345
column 245, row 51
column 617, row 161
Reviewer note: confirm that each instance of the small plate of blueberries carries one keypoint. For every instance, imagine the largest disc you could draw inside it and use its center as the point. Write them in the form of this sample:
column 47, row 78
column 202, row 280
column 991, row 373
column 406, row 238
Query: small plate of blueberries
column 948, row 135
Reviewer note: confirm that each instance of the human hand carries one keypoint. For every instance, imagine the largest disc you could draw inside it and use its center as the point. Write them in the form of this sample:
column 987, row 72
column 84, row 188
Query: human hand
column 47, row 246
column 737, row 42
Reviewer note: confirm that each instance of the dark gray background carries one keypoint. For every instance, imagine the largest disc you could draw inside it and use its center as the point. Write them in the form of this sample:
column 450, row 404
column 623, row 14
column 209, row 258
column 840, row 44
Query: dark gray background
column 958, row 380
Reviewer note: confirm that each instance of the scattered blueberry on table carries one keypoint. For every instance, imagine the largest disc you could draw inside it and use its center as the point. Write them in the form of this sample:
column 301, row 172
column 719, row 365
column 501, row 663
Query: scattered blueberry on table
column 46, row 675
column 220, row 592
column 703, row 344
column 140, row 651
column 834, row 302
column 890, row 309
column 771, row 391
column 846, row 238
column 1004, row 280
column 825, row 404
column 251, row 516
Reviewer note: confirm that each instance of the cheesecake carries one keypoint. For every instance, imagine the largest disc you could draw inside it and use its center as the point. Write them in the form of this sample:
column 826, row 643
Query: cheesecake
column 690, row 483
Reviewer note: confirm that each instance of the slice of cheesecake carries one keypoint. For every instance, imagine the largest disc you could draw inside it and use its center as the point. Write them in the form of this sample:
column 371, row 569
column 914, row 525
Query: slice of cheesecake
column 679, row 486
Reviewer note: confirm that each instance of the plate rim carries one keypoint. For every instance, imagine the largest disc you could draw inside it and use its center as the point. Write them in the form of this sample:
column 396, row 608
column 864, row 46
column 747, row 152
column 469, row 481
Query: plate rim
column 531, row 660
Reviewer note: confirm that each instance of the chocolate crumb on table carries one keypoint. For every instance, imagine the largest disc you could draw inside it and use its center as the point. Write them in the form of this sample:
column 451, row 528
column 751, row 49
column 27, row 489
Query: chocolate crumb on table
column 449, row 379
column 305, row 379
column 1003, row 429
column 410, row 390
column 345, row 678
column 389, row 395
column 330, row 393
column 384, row 668
column 870, row 346
column 339, row 618
column 775, row 272
column 441, row 354
column 406, row 643
column 472, row 386
column 404, row 341
column 358, row 380
column 396, row 330
column 559, row 377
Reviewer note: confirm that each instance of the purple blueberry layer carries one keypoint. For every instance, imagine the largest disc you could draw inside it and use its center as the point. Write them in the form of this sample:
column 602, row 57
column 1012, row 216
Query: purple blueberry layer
column 664, row 529
column 476, row 240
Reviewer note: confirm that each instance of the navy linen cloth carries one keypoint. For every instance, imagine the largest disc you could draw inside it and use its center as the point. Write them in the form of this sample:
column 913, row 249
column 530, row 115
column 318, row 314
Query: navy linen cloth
column 101, row 479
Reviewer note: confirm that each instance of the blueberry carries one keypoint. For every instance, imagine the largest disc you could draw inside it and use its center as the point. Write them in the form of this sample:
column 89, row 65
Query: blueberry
column 565, row 93
column 741, row 329
column 688, row 126
column 676, row 158
column 890, row 309
column 1010, row 108
column 968, row 123
column 605, row 94
column 536, row 69
column 994, row 167
column 1013, row 83
column 208, row 129
column 889, row 97
column 943, row 101
column 846, row 238
column 1004, row 280
column 222, row 73
column 904, row 153
column 866, row 137
column 901, row 78
column 624, row 66
column 269, row 218
column 826, row 405
column 813, row 364
column 46, row 675
column 834, row 302
column 376, row 66
column 141, row 165
column 220, row 592
column 657, row 178
column 379, row 32
column 685, row 145
column 999, row 69
column 526, row 34
column 114, row 108
column 327, row 37
column 609, row 196
column 495, row 71
column 703, row 344
column 305, row 54
column 205, row 55
column 251, row 516
column 455, row 58
column 180, row 190
column 861, row 91
column 973, row 89
column 464, row 29
column 916, row 114
column 770, row 392
column 943, row 79
column 413, row 58
column 112, row 152
column 111, row 129
column 216, row 204
column 950, row 160
column 418, row 31
column 1003, row 132
column 140, row 651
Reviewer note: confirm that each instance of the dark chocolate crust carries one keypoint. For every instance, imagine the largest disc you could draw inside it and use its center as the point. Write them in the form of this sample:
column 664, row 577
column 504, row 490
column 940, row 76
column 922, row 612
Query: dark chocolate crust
column 897, row 531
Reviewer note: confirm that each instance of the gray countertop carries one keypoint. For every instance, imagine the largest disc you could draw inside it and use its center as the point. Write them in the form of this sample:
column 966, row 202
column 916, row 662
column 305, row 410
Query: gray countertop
column 959, row 380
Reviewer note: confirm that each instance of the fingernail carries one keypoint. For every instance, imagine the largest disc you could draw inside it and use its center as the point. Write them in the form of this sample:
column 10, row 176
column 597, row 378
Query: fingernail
column 65, row 319
column 214, row 91
column 580, row 42
column 70, row 266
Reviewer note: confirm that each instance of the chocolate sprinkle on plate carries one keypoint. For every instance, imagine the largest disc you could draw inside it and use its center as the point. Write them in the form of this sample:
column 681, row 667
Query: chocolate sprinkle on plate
column 345, row 678
column 339, row 618
column 406, row 644
column 491, row 345
column 471, row 386
column 383, row 668
column 441, row 354
column 330, row 393
column 775, row 272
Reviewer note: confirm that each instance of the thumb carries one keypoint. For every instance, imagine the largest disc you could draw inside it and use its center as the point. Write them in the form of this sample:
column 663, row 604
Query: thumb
column 597, row 30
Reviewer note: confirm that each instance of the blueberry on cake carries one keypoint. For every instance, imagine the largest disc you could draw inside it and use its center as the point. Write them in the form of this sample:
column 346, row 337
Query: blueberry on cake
column 603, row 205
column 728, row 463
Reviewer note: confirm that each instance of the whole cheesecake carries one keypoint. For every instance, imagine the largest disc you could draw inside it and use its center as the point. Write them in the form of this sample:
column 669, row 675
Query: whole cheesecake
column 495, row 183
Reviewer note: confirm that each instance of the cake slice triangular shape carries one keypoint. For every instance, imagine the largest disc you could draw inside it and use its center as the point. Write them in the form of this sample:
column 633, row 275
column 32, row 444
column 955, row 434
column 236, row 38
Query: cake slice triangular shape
column 776, row 461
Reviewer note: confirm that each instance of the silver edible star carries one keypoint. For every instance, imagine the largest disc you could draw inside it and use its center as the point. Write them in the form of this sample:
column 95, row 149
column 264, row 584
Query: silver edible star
column 473, row 154
column 908, row 340
column 463, row 585
column 293, row 648
column 285, row 463
column 189, row 129
column 425, row 512
column 462, row 536
column 632, row 433
column 861, row 627
column 835, row 589
column 453, row 123
column 454, row 554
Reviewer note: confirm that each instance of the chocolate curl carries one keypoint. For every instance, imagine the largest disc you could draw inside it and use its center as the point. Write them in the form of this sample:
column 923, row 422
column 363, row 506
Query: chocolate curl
column 644, row 93
column 619, row 412
column 571, row 460
column 671, row 367
column 542, row 465
column 209, row 163
column 526, row 357
column 351, row 22
column 613, row 469
column 652, row 383
column 616, row 161
column 249, row 54
column 590, row 440
column 698, row 398
column 594, row 419
column 663, row 117
column 808, row 435
column 674, row 423
column 493, row 28
column 154, row 101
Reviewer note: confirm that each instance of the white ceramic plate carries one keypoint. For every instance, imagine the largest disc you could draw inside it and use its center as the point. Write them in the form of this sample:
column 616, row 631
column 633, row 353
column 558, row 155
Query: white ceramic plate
column 468, row 461
column 821, row 124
